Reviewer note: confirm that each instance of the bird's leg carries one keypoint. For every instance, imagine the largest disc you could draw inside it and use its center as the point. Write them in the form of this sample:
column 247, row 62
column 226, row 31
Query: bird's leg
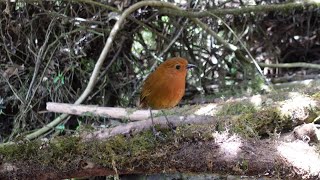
column 155, row 132
column 168, row 122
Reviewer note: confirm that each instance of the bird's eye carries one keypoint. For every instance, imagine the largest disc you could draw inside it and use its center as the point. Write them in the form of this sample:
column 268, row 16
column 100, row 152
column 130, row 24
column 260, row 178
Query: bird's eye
column 178, row 66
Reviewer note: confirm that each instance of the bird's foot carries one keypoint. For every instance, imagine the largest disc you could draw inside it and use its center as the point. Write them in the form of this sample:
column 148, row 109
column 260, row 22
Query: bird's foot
column 156, row 133
column 171, row 126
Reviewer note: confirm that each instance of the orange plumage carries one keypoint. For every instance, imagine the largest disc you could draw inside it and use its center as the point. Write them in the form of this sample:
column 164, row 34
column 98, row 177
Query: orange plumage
column 165, row 87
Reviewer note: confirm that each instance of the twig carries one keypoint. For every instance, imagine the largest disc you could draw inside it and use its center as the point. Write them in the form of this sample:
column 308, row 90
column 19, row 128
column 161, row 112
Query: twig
column 28, row 106
column 15, row 92
column 138, row 126
column 110, row 8
column 105, row 71
column 174, row 39
column 291, row 65
column 115, row 57
column 7, row 10
column 246, row 49
column 294, row 77
column 92, row 110
column 5, row 46
column 39, row 58
column 243, row 10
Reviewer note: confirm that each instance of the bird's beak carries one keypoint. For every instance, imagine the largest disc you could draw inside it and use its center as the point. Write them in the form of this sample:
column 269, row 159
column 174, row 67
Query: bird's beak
column 189, row 66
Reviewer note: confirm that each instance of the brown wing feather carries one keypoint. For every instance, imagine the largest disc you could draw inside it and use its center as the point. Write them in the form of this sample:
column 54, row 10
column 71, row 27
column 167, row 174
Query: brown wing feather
column 146, row 90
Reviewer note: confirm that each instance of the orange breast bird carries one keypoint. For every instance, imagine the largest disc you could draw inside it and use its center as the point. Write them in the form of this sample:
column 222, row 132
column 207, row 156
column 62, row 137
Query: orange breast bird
column 165, row 87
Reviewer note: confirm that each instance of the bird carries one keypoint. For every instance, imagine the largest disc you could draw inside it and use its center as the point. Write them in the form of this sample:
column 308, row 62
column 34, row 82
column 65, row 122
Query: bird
column 165, row 87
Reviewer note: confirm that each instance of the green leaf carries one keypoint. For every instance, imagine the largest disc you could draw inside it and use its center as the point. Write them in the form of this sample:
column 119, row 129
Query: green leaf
column 56, row 79
column 60, row 127
column 62, row 80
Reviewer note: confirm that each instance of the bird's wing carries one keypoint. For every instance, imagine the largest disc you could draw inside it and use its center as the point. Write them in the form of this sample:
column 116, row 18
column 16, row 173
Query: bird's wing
column 146, row 91
column 144, row 94
column 152, row 85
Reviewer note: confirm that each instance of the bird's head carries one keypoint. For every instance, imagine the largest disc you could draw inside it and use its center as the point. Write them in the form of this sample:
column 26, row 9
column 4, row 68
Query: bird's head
column 176, row 65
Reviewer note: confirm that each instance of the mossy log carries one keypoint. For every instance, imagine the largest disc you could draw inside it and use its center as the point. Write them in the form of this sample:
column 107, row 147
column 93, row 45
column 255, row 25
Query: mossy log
column 236, row 137
column 197, row 149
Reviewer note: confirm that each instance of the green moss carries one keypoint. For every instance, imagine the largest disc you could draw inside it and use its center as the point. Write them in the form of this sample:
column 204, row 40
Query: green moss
column 316, row 95
column 313, row 114
column 140, row 145
column 166, row 112
column 20, row 151
column 236, row 108
column 288, row 87
column 123, row 150
column 59, row 153
column 278, row 96
column 194, row 133
column 241, row 166
column 85, row 128
column 174, row 111
column 131, row 111
column 186, row 110
column 244, row 165
column 64, row 146
column 264, row 122
column 135, row 145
